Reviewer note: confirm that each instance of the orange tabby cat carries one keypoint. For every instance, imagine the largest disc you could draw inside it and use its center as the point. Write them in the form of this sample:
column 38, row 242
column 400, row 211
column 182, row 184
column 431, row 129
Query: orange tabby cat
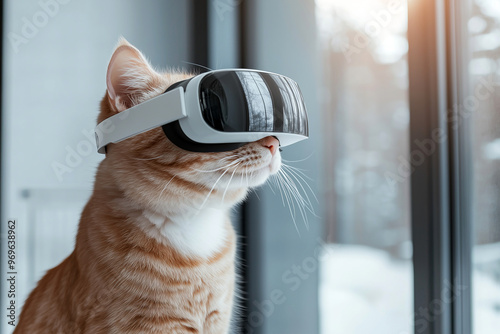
column 155, row 248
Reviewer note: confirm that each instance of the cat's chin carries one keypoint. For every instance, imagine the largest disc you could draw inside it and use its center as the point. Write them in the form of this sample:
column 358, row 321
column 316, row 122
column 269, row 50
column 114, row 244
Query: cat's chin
column 260, row 176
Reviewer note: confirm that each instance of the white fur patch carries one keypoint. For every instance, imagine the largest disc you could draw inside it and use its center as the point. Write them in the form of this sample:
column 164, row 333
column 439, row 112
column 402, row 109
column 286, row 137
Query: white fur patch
column 202, row 234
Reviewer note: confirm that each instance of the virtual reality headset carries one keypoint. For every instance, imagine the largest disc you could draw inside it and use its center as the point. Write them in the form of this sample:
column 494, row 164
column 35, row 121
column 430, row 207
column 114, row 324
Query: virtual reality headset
column 216, row 111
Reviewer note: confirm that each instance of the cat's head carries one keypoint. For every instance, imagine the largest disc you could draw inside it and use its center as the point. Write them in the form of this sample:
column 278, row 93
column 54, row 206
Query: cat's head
column 154, row 171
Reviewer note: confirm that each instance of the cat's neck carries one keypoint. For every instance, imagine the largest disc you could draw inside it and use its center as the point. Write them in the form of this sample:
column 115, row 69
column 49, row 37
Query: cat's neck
column 200, row 234
column 191, row 231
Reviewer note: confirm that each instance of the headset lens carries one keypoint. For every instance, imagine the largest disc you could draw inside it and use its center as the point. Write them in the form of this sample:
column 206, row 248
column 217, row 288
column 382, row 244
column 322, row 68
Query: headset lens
column 250, row 101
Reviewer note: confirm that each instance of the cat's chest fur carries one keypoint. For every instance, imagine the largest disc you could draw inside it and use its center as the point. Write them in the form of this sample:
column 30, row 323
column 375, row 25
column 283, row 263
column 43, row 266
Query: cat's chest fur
column 201, row 234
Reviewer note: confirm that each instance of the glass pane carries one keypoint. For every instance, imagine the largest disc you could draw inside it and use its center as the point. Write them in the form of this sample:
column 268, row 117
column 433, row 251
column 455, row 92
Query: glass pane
column 366, row 282
column 484, row 76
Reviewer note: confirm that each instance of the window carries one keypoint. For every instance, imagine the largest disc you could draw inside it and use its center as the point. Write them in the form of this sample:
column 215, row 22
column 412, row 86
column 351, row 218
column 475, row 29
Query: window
column 483, row 74
column 367, row 272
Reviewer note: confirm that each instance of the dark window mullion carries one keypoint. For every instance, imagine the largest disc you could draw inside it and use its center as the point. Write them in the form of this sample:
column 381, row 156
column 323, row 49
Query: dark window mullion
column 460, row 158
column 441, row 220
column 199, row 35
column 430, row 184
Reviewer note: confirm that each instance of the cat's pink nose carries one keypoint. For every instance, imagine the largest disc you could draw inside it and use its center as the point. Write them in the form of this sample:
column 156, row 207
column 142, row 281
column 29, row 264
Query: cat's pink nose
column 271, row 143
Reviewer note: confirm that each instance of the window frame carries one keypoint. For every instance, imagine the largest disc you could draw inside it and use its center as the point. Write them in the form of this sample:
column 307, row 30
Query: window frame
column 441, row 182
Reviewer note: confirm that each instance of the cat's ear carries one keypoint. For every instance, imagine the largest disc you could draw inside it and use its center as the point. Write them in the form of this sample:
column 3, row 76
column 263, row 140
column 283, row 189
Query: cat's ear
column 129, row 76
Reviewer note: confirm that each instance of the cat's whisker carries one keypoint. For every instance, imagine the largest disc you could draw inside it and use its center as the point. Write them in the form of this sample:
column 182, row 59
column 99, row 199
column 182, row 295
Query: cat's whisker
column 158, row 157
column 291, row 180
column 165, row 187
column 298, row 170
column 216, row 169
column 310, row 208
column 276, row 182
column 199, row 65
column 292, row 214
column 297, row 204
column 293, row 174
column 270, row 186
column 256, row 194
column 293, row 161
column 213, row 187
column 246, row 174
column 285, row 189
column 301, row 202
column 227, row 187
column 230, row 156
column 244, row 178
column 212, row 170
column 237, row 161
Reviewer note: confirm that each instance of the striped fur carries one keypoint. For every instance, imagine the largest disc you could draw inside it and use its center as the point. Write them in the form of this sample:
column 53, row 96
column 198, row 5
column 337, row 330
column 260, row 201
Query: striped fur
column 155, row 249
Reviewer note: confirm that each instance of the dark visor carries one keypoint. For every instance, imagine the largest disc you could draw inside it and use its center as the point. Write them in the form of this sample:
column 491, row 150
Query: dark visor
column 248, row 101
